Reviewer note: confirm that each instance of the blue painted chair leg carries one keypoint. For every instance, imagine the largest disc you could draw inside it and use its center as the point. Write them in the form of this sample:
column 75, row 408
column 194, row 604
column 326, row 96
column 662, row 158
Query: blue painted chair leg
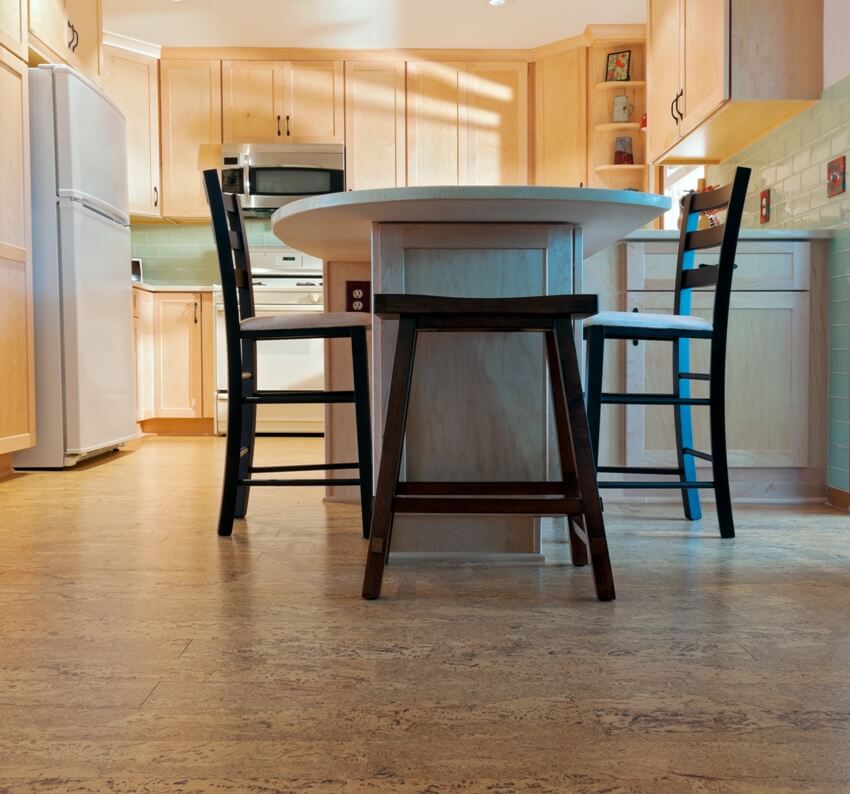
column 684, row 429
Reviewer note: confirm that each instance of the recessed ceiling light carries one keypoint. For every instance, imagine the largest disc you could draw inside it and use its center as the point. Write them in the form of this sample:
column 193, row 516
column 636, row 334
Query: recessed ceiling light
column 500, row 3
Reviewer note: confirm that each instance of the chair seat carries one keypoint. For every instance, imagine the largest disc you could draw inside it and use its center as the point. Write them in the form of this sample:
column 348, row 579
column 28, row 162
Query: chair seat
column 299, row 321
column 638, row 320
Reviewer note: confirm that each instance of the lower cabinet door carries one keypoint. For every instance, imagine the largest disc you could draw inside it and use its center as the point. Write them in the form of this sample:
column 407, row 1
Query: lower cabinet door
column 178, row 355
column 767, row 382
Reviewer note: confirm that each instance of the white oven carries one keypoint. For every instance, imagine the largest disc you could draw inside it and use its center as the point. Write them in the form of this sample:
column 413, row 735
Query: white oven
column 284, row 281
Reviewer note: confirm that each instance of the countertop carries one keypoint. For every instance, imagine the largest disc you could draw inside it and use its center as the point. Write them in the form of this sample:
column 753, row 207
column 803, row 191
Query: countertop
column 160, row 287
column 338, row 227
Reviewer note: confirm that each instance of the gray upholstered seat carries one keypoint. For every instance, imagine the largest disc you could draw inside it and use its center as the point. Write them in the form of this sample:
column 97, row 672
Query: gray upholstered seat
column 676, row 322
column 292, row 321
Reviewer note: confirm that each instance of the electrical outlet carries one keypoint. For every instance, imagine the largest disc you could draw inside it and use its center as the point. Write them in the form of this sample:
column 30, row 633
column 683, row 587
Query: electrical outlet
column 358, row 296
column 764, row 207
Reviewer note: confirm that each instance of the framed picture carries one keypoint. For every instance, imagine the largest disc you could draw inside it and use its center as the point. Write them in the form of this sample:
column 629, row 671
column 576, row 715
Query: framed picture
column 619, row 64
column 836, row 177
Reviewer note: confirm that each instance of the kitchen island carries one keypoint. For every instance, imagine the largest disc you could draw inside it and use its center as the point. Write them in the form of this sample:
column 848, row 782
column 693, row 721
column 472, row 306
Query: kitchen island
column 479, row 405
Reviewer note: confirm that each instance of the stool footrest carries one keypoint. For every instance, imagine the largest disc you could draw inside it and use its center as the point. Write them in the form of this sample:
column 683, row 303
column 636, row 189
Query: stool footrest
column 667, row 484
column 487, row 488
column 298, row 483
column 503, row 506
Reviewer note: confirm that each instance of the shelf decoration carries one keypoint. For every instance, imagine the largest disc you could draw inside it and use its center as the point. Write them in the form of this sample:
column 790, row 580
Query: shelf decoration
column 619, row 64
column 623, row 152
column 622, row 108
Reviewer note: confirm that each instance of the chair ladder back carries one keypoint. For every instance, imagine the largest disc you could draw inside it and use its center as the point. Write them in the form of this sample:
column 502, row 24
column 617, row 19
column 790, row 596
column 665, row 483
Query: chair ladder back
column 230, row 275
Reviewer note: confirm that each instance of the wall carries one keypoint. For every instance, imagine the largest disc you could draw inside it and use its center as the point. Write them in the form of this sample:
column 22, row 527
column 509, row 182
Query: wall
column 836, row 23
column 185, row 254
column 791, row 161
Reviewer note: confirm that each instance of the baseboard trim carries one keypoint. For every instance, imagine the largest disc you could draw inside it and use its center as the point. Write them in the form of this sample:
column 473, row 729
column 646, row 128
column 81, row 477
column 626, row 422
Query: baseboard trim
column 838, row 499
column 474, row 557
column 177, row 427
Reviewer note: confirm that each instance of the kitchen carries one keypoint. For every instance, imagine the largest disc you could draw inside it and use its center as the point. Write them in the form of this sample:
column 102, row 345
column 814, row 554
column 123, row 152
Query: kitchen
column 120, row 409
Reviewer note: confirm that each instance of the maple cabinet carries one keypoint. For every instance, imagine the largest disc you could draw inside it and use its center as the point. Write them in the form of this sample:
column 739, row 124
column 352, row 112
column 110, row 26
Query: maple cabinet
column 68, row 30
column 467, row 123
column 722, row 73
column 13, row 27
column 17, row 386
column 132, row 82
column 190, row 103
column 283, row 101
column 560, row 108
column 375, row 124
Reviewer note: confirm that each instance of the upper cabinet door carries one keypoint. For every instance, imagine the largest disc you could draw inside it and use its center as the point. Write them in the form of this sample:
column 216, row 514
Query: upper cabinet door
column 664, row 74
column 48, row 23
column 560, row 152
column 132, row 81
column 705, row 33
column 13, row 26
column 313, row 102
column 252, row 101
column 191, row 133
column 84, row 15
column 17, row 395
column 375, row 149
column 436, row 123
column 497, row 123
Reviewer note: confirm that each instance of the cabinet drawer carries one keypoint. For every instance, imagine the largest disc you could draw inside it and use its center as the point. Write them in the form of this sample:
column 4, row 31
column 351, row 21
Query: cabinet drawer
column 763, row 266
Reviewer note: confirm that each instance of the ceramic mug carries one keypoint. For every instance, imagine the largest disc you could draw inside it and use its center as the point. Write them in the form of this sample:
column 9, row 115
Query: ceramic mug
column 622, row 109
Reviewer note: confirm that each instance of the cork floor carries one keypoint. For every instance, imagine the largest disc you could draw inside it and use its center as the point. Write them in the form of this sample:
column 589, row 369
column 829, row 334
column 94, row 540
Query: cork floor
column 139, row 653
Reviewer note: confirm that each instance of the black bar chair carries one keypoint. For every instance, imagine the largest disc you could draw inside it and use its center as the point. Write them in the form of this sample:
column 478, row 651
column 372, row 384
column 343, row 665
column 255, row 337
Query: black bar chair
column 575, row 495
column 679, row 328
column 243, row 331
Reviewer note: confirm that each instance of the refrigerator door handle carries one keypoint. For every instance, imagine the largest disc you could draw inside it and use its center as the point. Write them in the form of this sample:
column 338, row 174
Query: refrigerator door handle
column 101, row 206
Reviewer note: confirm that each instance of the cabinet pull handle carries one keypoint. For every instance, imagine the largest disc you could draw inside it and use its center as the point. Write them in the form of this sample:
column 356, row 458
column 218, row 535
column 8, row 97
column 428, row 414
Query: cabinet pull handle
column 75, row 40
column 678, row 97
column 672, row 111
column 196, row 312
column 155, row 196
column 288, row 133
column 71, row 30
column 278, row 126
column 635, row 341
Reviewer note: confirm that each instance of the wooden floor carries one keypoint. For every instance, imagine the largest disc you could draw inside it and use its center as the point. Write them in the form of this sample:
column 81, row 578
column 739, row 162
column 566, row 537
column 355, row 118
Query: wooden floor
column 140, row 653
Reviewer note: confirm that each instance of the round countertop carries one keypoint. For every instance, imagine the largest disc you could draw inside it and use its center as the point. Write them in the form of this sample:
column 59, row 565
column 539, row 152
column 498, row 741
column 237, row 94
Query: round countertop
column 338, row 227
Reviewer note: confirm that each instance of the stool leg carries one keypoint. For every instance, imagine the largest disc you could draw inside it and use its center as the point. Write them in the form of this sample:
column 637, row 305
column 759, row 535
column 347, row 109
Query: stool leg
column 249, row 429
column 391, row 452
column 593, row 384
column 232, row 456
column 578, row 551
column 684, row 429
column 360, row 362
column 719, row 458
column 585, row 470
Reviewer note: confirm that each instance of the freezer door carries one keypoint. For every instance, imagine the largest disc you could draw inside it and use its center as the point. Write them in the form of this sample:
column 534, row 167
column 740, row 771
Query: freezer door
column 97, row 330
column 91, row 145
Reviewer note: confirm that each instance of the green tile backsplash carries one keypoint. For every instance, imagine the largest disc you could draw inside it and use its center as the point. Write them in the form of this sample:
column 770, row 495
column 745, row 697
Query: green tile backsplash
column 792, row 161
column 185, row 254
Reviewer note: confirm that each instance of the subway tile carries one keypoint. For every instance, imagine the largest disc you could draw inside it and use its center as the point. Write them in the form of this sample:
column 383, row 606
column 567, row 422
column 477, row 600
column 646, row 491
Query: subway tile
column 839, row 336
column 839, row 291
column 839, row 362
column 839, row 457
column 792, row 186
column 830, row 216
column 801, row 160
column 837, row 478
column 819, row 152
column 810, row 177
column 811, row 130
column 839, row 415
column 839, row 386
column 839, row 142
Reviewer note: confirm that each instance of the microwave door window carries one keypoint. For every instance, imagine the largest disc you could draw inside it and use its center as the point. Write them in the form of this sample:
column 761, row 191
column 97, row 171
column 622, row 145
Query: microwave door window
column 293, row 181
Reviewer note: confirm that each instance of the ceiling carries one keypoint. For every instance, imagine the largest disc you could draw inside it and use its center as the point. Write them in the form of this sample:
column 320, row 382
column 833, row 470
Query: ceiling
column 360, row 24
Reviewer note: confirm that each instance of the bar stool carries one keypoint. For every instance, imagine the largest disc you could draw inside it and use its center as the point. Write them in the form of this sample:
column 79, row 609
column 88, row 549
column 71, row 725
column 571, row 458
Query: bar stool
column 679, row 328
column 243, row 331
column 576, row 495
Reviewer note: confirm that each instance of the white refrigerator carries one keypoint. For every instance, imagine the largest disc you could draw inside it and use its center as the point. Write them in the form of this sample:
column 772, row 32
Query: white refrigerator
column 84, row 355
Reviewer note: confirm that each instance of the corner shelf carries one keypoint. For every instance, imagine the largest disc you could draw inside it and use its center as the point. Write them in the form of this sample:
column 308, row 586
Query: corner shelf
column 602, row 169
column 617, row 125
column 610, row 85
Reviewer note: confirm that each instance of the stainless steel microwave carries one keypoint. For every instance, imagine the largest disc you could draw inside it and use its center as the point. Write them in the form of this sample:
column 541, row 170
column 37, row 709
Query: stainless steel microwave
column 268, row 175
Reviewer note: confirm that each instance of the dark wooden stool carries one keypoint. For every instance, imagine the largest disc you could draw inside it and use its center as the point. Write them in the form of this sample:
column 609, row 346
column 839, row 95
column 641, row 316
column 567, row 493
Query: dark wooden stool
column 243, row 331
column 576, row 496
